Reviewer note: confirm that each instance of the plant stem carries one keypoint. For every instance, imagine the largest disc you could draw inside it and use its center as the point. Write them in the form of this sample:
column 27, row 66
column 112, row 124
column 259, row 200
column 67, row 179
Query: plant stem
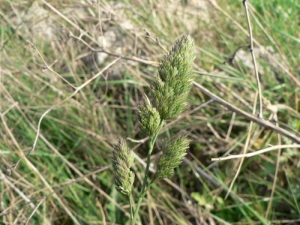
column 260, row 115
column 131, row 205
column 145, row 182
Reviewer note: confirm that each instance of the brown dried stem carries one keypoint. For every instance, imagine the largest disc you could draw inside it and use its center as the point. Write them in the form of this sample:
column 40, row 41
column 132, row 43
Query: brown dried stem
column 260, row 115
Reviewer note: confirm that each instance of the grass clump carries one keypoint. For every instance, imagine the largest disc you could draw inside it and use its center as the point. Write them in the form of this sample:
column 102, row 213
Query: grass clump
column 67, row 178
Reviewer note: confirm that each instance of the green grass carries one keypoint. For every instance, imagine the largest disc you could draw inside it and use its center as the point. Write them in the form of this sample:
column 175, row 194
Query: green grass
column 76, row 137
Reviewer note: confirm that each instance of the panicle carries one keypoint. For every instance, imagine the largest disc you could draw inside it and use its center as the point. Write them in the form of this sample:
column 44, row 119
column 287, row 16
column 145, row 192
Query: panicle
column 122, row 160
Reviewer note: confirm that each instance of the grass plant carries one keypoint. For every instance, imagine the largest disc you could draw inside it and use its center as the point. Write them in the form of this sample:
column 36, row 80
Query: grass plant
column 170, row 91
column 74, row 78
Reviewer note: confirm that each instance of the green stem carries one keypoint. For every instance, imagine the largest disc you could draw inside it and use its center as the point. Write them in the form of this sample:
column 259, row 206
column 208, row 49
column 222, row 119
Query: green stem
column 145, row 182
column 131, row 206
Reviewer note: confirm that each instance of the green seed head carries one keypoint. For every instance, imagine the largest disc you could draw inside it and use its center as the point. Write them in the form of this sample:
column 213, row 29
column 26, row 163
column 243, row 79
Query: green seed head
column 174, row 79
column 179, row 60
column 173, row 154
column 149, row 118
column 122, row 160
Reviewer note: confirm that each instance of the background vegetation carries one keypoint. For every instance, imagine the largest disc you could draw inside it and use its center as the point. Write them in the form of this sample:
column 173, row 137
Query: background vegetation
column 65, row 57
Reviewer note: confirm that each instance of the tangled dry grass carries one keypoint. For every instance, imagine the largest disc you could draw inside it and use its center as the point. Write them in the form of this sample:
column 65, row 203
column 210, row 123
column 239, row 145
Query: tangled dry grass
column 72, row 75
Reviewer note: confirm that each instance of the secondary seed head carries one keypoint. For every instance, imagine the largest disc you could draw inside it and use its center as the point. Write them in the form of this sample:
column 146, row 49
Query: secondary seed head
column 122, row 160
